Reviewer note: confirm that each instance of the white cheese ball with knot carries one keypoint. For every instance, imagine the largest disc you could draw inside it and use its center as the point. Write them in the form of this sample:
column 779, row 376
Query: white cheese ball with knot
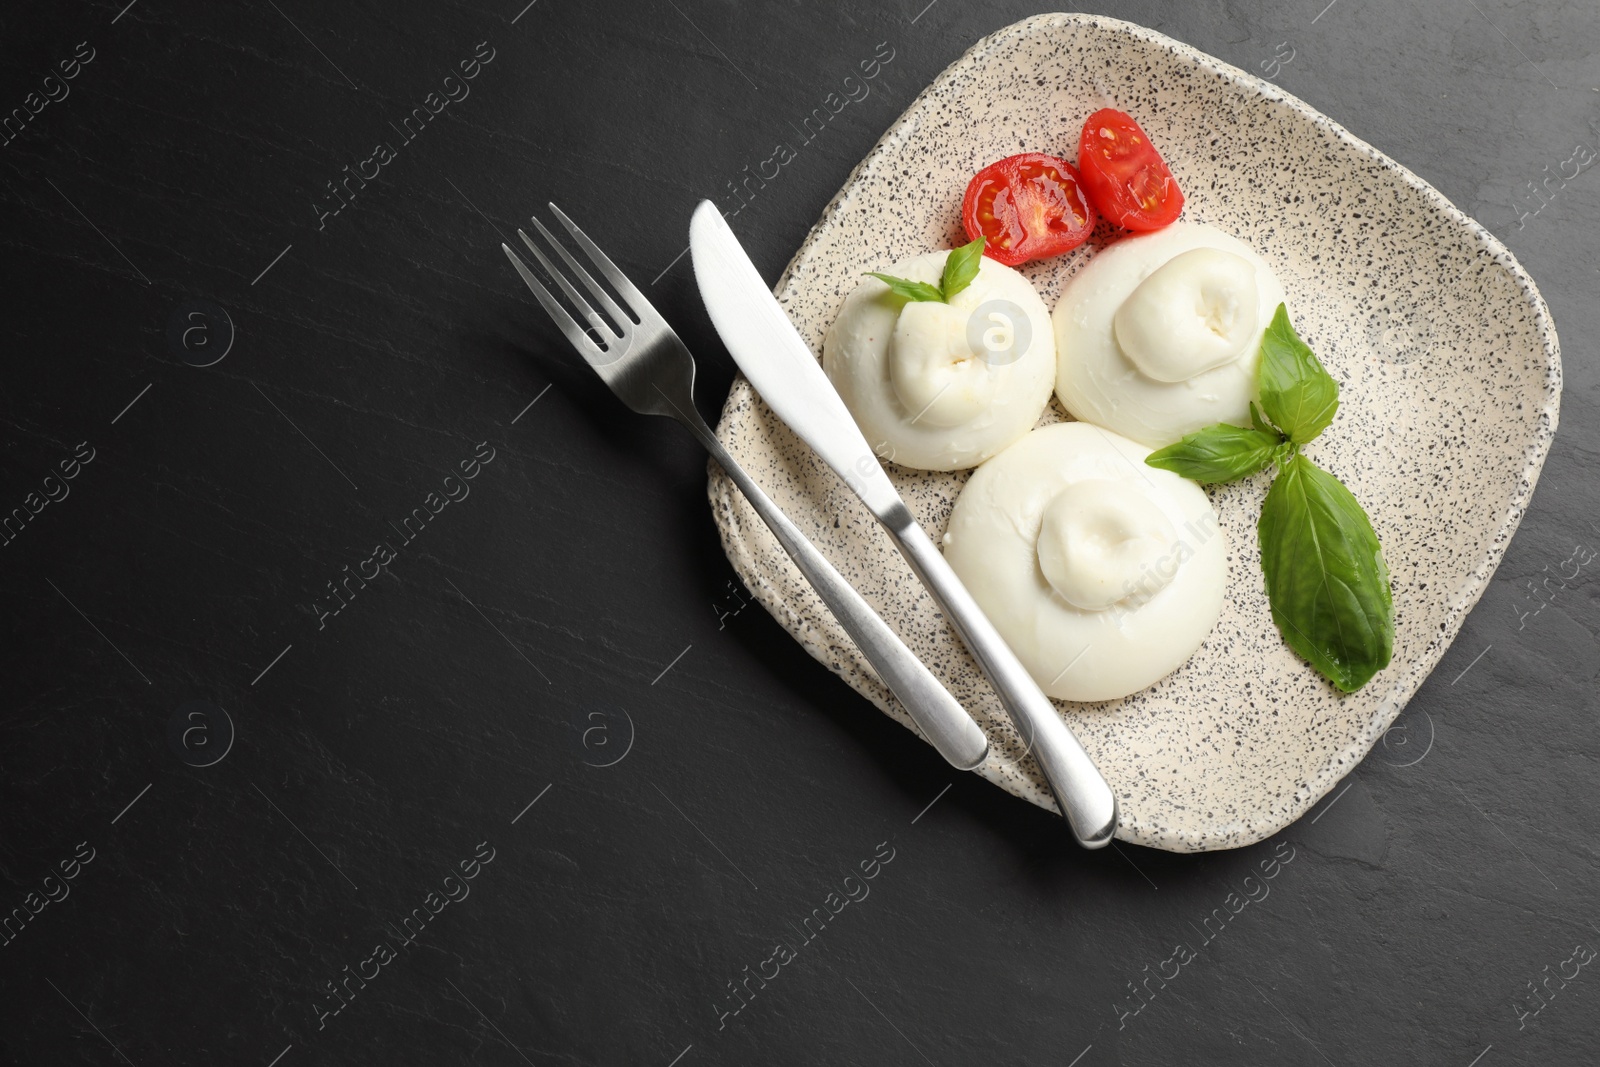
column 943, row 386
column 1159, row 335
column 1103, row 574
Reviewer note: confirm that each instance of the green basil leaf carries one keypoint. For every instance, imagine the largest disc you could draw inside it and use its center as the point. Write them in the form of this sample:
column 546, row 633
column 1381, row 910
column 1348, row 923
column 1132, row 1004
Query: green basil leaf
column 1259, row 421
column 1325, row 576
column 1299, row 396
column 960, row 267
column 909, row 290
column 1218, row 453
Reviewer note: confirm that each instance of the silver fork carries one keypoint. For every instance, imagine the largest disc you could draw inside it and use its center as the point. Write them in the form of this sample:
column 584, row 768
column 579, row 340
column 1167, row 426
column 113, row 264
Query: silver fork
column 640, row 357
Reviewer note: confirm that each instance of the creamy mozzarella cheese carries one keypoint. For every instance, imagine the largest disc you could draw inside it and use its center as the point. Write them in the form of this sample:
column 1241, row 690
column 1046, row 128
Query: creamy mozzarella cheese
column 1103, row 575
column 943, row 386
column 1159, row 335
column 1195, row 313
column 1097, row 542
column 933, row 367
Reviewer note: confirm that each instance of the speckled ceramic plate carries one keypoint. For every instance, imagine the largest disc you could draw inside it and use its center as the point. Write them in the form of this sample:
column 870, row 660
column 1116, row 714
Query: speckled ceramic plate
column 1445, row 354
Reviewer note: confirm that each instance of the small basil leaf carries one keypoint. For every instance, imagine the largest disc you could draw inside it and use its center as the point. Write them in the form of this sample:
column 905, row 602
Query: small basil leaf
column 1259, row 421
column 1299, row 396
column 960, row 267
column 1325, row 576
column 1217, row 453
column 909, row 290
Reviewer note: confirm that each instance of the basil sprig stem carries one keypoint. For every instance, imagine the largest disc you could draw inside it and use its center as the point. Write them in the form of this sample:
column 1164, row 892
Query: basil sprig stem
column 960, row 267
column 1326, row 580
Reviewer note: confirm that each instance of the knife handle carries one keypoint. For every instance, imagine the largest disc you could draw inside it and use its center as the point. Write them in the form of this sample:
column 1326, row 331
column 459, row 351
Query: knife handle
column 1081, row 792
column 941, row 718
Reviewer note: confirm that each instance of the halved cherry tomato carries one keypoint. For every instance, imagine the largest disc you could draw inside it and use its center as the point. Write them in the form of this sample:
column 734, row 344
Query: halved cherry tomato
column 1126, row 179
column 1027, row 207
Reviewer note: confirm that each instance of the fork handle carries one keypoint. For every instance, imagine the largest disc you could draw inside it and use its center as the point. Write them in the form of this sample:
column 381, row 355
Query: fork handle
column 1081, row 792
column 942, row 720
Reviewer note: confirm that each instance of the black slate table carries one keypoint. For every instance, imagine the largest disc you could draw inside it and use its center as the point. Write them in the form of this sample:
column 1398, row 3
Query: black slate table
column 542, row 790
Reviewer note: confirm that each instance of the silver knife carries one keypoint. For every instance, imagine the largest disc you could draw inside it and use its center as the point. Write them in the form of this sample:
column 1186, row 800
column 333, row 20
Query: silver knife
column 783, row 370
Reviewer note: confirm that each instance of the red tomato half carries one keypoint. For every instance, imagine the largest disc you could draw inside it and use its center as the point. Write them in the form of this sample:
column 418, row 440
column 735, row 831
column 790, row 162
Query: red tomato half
column 1027, row 207
column 1126, row 179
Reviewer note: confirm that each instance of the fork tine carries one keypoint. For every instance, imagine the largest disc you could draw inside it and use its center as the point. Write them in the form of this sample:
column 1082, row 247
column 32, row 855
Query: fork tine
column 585, row 309
column 576, row 334
column 619, row 280
column 622, row 320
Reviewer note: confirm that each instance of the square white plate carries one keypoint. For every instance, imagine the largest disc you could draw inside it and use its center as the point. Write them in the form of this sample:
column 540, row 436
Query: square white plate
column 1450, row 380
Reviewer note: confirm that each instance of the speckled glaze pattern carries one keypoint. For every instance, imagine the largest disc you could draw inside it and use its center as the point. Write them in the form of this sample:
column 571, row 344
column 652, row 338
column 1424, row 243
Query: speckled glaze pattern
column 1450, row 378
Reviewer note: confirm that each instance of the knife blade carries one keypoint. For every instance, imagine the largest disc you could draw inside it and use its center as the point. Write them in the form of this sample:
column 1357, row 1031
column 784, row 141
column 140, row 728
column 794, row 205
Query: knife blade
column 787, row 375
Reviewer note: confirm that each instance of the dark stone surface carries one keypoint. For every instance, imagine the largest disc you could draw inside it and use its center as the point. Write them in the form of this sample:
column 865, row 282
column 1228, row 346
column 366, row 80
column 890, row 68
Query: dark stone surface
column 520, row 641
